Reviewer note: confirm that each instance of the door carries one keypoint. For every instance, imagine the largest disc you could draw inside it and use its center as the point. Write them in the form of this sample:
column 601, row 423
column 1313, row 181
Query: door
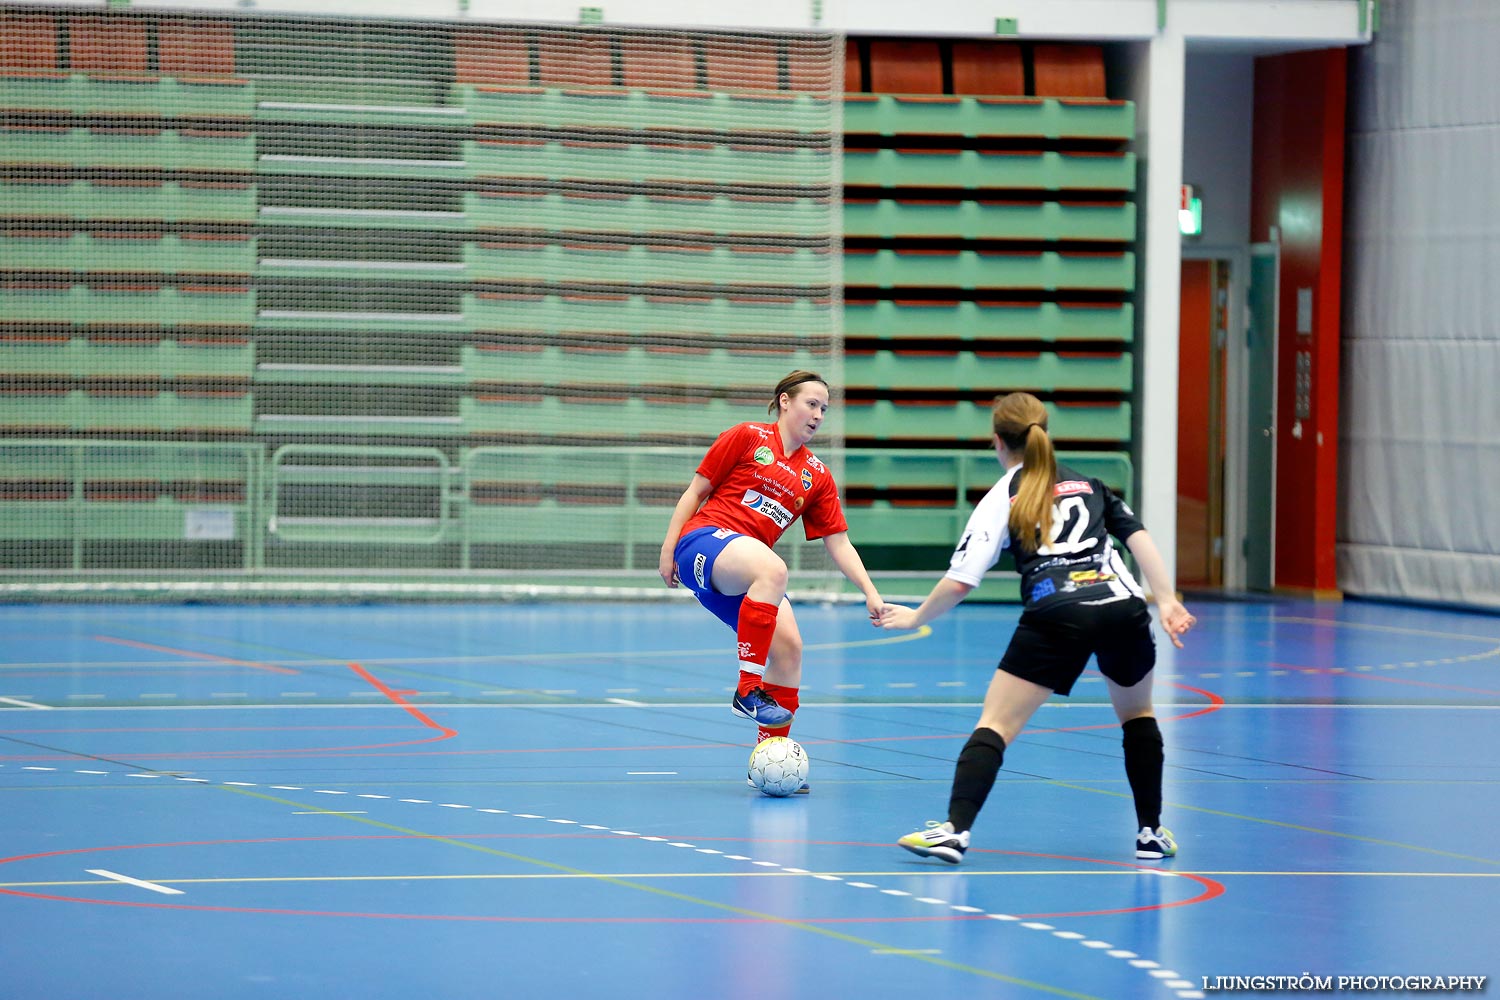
column 1260, row 411
column 1200, row 423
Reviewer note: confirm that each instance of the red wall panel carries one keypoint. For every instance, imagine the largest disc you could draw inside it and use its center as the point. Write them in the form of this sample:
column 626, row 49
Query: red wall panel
column 1194, row 375
column 1298, row 188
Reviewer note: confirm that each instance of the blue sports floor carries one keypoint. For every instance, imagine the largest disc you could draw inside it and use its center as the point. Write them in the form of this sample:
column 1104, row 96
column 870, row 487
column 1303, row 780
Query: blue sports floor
column 548, row 801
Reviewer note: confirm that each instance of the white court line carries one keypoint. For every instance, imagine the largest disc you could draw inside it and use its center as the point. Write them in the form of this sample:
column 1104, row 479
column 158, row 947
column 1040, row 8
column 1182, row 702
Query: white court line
column 23, row 704
column 104, row 873
column 685, row 705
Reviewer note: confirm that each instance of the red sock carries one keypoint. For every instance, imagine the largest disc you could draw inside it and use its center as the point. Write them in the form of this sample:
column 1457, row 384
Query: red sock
column 757, row 624
column 789, row 699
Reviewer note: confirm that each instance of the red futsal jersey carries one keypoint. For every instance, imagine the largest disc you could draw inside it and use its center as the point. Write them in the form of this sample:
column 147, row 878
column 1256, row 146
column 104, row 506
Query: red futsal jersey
column 758, row 491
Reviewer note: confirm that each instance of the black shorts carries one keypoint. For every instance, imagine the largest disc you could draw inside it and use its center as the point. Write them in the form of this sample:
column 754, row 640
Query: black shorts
column 1052, row 647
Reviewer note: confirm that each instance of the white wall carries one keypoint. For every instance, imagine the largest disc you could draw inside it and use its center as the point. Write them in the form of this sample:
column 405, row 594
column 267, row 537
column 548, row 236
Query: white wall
column 1419, row 421
column 1308, row 22
column 1154, row 81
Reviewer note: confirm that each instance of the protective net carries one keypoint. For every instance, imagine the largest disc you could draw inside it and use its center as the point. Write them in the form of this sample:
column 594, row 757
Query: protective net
column 346, row 306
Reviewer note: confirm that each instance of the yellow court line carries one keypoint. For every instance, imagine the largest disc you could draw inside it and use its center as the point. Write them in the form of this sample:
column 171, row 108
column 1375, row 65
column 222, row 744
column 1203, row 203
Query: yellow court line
column 395, row 663
column 493, row 876
column 1388, row 628
column 623, row 882
column 413, row 661
column 1292, row 826
column 920, row 633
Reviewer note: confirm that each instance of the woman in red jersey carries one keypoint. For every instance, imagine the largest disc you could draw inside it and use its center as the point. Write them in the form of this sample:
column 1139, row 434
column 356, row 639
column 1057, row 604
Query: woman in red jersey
column 754, row 482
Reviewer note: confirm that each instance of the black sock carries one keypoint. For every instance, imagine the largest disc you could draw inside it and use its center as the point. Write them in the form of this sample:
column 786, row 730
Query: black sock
column 978, row 763
column 1143, row 764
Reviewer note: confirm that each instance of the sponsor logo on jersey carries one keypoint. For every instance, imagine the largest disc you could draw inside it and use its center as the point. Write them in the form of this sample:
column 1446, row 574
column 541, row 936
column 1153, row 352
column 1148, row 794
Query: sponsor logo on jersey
column 1090, row 576
column 699, row 562
column 762, row 504
column 772, row 486
column 1069, row 487
column 1044, row 588
column 798, row 503
column 806, row 479
column 764, row 456
column 812, row 460
column 723, row 532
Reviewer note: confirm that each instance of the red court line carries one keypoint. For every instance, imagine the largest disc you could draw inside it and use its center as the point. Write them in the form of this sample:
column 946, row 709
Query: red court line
column 396, row 696
column 1214, row 702
column 195, row 655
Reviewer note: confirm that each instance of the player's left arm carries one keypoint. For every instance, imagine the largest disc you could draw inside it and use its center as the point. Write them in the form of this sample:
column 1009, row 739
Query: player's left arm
column 946, row 594
column 847, row 559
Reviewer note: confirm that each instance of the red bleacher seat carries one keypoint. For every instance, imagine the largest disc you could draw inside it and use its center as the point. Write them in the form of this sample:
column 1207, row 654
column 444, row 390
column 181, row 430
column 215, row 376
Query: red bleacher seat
column 107, row 44
column 1068, row 71
column 905, row 67
column 496, row 58
column 27, row 42
column 989, row 68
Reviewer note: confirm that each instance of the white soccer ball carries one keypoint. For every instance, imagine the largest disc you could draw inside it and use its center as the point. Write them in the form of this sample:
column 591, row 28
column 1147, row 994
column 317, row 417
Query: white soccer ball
column 778, row 766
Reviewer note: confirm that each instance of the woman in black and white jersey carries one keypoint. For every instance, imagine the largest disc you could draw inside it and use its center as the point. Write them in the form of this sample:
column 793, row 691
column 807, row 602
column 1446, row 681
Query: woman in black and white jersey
column 1079, row 600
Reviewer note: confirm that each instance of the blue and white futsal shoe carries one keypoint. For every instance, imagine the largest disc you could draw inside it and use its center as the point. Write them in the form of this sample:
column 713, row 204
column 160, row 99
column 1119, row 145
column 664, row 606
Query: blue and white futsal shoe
column 760, row 708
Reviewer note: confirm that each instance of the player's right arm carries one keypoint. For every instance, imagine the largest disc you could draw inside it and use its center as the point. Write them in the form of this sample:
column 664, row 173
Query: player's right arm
column 946, row 593
column 978, row 550
column 687, row 505
column 1175, row 618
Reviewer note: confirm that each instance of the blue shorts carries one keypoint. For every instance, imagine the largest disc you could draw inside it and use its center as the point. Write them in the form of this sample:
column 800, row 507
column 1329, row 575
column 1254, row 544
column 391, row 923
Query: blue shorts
column 695, row 555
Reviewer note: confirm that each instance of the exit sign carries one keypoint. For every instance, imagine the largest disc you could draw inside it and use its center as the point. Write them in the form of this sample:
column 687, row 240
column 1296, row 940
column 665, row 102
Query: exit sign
column 1190, row 212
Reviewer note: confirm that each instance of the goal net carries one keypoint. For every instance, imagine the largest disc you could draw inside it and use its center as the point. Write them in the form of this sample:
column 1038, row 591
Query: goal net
column 300, row 305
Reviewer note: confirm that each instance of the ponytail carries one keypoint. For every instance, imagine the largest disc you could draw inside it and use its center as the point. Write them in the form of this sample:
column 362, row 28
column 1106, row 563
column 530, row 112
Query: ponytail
column 1020, row 421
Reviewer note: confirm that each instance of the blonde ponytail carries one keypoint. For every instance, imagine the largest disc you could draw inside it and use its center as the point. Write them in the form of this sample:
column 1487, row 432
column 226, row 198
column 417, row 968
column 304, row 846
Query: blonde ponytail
column 1020, row 421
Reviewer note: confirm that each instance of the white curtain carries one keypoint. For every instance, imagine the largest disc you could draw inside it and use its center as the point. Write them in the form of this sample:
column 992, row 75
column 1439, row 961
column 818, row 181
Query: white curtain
column 1420, row 412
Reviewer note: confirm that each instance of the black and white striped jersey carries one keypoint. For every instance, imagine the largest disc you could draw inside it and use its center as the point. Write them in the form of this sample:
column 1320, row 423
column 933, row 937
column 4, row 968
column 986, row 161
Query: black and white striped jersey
column 1078, row 565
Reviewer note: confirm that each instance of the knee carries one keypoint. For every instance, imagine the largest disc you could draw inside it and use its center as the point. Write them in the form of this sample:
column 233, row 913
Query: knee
column 984, row 742
column 773, row 573
column 1142, row 732
column 787, row 647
